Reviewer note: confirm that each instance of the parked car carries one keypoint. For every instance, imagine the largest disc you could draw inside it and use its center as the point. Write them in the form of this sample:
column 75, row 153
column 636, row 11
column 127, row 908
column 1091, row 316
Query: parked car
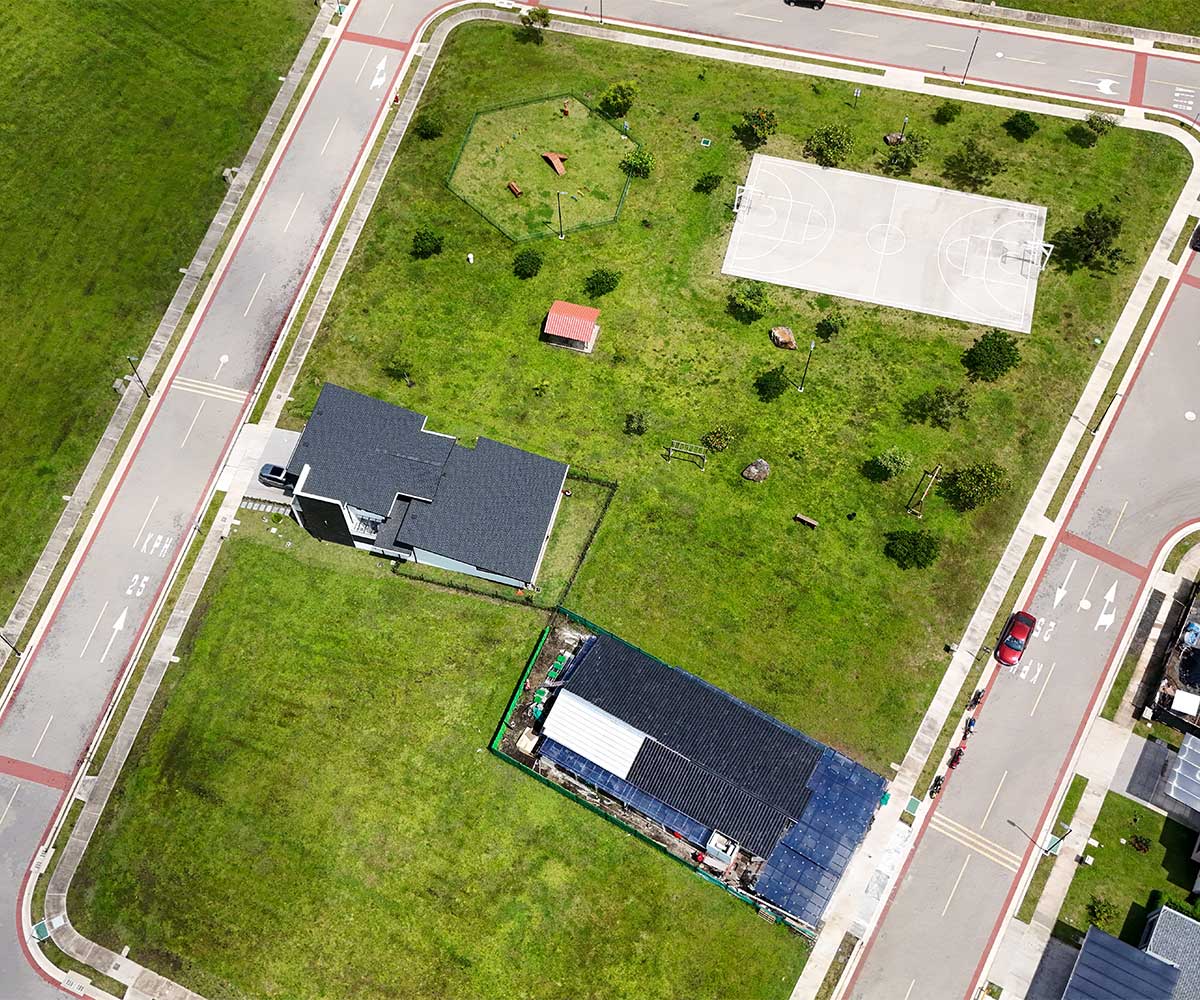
column 814, row 4
column 276, row 476
column 1014, row 638
column 1195, row 241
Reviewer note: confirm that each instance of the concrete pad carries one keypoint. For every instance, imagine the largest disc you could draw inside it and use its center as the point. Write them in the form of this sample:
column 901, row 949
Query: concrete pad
column 890, row 242
column 256, row 445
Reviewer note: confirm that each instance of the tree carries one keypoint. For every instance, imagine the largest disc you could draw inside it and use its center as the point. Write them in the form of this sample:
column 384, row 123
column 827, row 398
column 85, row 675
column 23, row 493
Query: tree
column 991, row 356
column 772, row 384
column 903, row 159
column 1102, row 912
column 755, row 127
column 616, row 101
column 527, row 263
column 1021, row 125
column 829, row 144
column 749, row 300
column 972, row 166
column 947, row 111
column 534, row 23
column 400, row 366
column 973, row 486
column 719, row 438
column 601, row 281
column 1091, row 243
column 888, row 464
column 707, row 183
column 428, row 125
column 635, row 423
column 913, row 549
column 940, row 407
column 831, row 324
column 1099, row 123
column 426, row 242
column 638, row 162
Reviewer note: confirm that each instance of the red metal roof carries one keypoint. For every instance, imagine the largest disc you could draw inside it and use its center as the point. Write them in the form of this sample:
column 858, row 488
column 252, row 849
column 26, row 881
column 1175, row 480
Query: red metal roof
column 572, row 322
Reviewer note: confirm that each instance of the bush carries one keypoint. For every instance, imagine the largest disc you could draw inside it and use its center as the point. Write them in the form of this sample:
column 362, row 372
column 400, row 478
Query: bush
column 972, row 166
column 913, row 549
column 1021, row 125
column 400, row 366
column 635, row 423
column 1140, row 843
column 888, row 464
column 533, row 24
column 527, row 263
column 749, row 300
column 829, row 144
column 1101, row 912
column 947, row 111
column 601, row 281
column 904, row 158
column 939, row 407
column 638, row 162
column 540, row 389
column 973, row 486
column 616, row 101
column 707, row 183
column 831, row 324
column 1082, row 136
column 755, row 127
column 428, row 125
column 426, row 243
column 1099, row 123
column 991, row 356
column 718, row 439
column 772, row 384
column 1092, row 243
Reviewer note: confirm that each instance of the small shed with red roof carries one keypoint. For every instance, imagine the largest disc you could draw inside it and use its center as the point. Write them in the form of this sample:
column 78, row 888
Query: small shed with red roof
column 573, row 326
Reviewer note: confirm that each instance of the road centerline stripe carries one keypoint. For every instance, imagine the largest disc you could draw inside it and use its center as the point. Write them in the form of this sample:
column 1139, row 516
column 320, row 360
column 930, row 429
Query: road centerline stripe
column 193, row 423
column 1045, row 684
column 954, row 888
column 8, row 805
column 991, row 804
column 146, row 520
column 38, row 745
column 944, row 48
column 758, row 17
column 1120, row 515
column 288, row 224
column 88, row 640
column 332, row 128
column 255, row 295
column 857, row 34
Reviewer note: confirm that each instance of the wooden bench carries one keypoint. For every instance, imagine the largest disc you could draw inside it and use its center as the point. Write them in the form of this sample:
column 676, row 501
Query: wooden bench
column 808, row 522
column 556, row 161
column 512, row 186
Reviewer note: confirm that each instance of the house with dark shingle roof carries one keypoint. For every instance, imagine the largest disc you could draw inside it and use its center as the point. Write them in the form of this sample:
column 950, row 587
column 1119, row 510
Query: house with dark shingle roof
column 1109, row 969
column 369, row 474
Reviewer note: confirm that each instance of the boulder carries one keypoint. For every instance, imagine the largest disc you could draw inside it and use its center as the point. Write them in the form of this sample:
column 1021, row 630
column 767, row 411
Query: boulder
column 782, row 336
column 756, row 471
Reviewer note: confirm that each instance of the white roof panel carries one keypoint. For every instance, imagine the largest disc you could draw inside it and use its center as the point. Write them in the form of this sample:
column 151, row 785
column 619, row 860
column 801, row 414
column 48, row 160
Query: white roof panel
column 1186, row 703
column 593, row 733
column 1183, row 774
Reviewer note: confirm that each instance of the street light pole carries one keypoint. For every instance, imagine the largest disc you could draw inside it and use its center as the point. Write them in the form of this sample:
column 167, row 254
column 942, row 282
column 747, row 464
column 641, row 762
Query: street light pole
column 11, row 646
column 812, row 345
column 904, row 127
column 561, row 236
column 963, row 81
column 133, row 367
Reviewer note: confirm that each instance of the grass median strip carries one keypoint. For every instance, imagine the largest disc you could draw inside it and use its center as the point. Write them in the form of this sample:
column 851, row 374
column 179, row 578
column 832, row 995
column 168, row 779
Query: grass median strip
column 1041, row 874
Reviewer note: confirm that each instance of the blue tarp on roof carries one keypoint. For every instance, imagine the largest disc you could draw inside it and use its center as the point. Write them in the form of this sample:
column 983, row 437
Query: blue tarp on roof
column 1109, row 969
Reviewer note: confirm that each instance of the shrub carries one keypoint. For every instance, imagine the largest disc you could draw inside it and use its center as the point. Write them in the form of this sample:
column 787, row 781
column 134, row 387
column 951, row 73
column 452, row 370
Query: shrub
column 707, row 183
column 1082, row 136
column 829, row 144
column 1102, row 912
column 973, row 486
column 1100, row 123
column 904, row 158
column 1092, row 243
column 939, row 407
column 972, row 166
column 400, row 366
column 533, row 23
column 913, row 549
column 749, row 300
column 1021, row 125
column 540, row 389
column 428, row 125
column 635, row 423
column 947, row 111
column 638, row 162
column 772, row 384
column 1140, row 843
column 992, row 355
column 616, row 101
column 755, row 127
column 718, row 439
column 426, row 243
column 601, row 281
column 527, row 263
column 888, row 464
column 831, row 324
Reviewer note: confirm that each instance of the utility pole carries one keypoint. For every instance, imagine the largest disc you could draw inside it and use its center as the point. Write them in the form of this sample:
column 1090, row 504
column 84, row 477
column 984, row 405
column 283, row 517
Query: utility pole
column 812, row 344
column 11, row 646
column 978, row 33
column 133, row 360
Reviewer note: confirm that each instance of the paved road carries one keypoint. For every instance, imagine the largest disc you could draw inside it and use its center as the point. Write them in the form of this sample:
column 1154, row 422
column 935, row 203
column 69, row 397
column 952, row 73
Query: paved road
column 70, row 674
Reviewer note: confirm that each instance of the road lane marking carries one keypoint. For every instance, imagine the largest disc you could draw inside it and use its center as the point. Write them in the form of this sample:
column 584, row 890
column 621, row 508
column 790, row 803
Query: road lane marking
column 287, row 224
column 255, row 295
column 954, row 888
column 1032, row 62
column 1061, row 591
column 117, row 626
column 330, row 136
column 8, row 806
column 1105, row 72
column 974, row 841
column 1177, row 86
column 360, row 72
column 209, row 389
column 1118, row 524
column 38, row 746
column 138, row 537
column 1038, row 700
column 94, row 627
column 222, row 361
column 193, row 423
column 859, row 34
column 1084, row 603
column 671, row 3
column 758, row 17
column 908, row 992
column 995, row 794
column 944, row 48
column 385, row 19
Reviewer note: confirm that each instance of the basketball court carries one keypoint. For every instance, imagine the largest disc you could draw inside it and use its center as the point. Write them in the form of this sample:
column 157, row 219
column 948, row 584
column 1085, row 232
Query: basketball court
column 890, row 242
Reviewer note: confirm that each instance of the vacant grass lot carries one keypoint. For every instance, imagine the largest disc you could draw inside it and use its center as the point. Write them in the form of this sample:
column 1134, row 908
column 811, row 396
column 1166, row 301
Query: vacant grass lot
column 703, row 568
column 116, row 118
column 1165, row 15
column 324, row 821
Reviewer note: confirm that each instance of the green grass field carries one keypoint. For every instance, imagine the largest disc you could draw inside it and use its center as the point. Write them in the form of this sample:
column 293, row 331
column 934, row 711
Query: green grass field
column 118, row 119
column 325, row 821
column 507, row 145
column 702, row 568
column 1165, row 15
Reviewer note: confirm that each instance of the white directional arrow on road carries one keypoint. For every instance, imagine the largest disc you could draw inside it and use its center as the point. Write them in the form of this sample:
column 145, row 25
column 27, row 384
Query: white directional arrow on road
column 1108, row 616
column 1061, row 591
column 1104, row 86
column 1084, row 603
column 117, row 626
column 380, row 77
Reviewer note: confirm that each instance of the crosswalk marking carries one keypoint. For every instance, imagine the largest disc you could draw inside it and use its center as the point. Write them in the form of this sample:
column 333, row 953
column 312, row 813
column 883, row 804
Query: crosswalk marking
column 209, row 389
column 975, row 842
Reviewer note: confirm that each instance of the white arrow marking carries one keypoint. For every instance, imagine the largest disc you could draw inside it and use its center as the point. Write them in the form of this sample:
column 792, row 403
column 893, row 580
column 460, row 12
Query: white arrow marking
column 1105, row 86
column 223, row 360
column 1107, row 617
column 1084, row 603
column 380, row 77
column 117, row 626
column 1061, row 591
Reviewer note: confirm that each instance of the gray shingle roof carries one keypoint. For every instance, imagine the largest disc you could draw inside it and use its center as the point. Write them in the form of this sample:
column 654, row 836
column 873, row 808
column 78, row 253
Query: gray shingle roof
column 1109, row 969
column 1175, row 938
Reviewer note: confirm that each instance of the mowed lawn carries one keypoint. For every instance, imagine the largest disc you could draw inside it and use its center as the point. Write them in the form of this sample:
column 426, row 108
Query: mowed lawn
column 314, row 814
column 705, row 569
column 116, row 118
column 1165, row 15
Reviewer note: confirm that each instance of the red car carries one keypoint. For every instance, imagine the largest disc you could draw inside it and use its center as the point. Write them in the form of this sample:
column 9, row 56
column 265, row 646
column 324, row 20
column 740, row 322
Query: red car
column 1014, row 637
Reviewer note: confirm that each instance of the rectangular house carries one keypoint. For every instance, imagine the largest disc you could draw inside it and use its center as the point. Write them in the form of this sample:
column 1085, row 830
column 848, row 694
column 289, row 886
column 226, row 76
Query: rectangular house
column 368, row 474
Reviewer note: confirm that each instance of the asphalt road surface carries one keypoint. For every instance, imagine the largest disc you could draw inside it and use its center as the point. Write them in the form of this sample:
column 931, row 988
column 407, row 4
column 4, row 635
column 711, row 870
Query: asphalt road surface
column 957, row 879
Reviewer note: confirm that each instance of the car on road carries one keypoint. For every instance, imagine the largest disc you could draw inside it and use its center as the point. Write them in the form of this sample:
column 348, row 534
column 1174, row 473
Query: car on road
column 276, row 476
column 814, row 4
column 1195, row 240
column 1014, row 638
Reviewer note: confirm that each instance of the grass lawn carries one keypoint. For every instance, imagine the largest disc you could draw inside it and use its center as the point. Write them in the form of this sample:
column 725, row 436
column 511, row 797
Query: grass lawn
column 705, row 569
column 1122, row 875
column 325, row 821
column 1041, row 874
column 507, row 145
column 118, row 118
column 1165, row 15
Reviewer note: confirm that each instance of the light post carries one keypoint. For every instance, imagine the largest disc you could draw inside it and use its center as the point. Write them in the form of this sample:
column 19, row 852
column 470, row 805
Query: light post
column 904, row 127
column 10, row 646
column 970, row 57
column 561, row 235
column 1054, row 844
column 812, row 345
column 133, row 367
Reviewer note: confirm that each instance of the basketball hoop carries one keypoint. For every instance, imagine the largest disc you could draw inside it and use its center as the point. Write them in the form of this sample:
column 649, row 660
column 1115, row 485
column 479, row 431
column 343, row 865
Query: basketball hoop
column 743, row 200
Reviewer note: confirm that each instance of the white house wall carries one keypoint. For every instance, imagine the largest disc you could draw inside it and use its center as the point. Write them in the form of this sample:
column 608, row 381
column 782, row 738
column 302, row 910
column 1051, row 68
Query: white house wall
column 426, row 558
